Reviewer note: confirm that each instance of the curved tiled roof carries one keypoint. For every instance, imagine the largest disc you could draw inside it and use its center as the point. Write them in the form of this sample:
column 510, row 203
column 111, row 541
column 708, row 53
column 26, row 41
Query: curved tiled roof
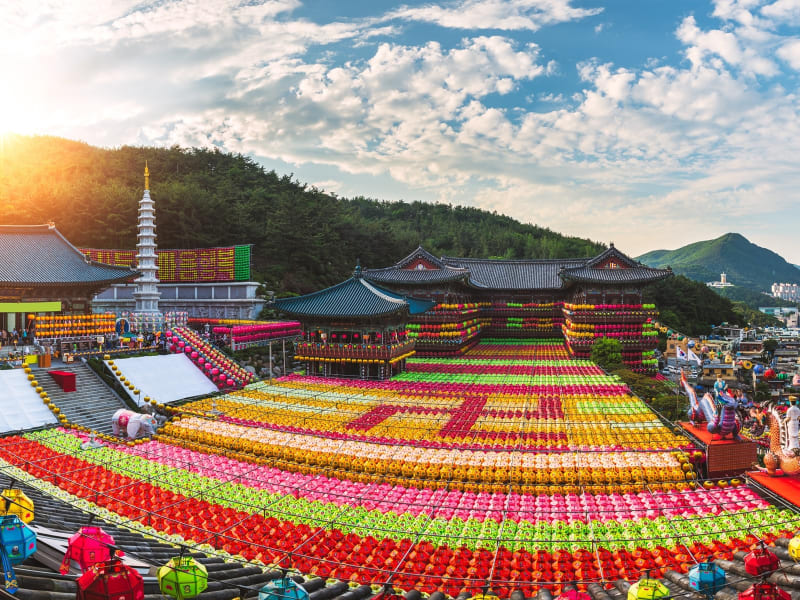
column 514, row 274
column 395, row 275
column 355, row 297
column 631, row 275
column 38, row 255
column 534, row 274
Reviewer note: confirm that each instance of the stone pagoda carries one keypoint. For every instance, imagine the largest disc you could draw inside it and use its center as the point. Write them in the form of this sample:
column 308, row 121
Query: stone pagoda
column 146, row 316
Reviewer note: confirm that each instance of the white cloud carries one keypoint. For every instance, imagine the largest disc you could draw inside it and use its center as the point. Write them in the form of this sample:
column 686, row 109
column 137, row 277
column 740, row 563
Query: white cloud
column 629, row 147
column 790, row 52
column 508, row 15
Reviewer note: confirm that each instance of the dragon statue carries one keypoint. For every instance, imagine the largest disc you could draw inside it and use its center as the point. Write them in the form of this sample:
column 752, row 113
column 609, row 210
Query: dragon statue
column 783, row 452
column 722, row 414
column 727, row 420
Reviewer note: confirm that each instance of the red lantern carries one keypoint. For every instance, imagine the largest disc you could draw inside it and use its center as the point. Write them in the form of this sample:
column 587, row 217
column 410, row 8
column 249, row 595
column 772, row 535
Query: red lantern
column 110, row 580
column 91, row 545
column 764, row 591
column 760, row 561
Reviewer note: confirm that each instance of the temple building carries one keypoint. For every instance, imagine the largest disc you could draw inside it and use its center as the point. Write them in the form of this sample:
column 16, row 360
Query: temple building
column 43, row 275
column 354, row 329
column 579, row 299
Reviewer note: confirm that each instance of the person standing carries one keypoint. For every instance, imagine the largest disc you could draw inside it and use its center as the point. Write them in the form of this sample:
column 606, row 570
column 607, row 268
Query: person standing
column 792, row 420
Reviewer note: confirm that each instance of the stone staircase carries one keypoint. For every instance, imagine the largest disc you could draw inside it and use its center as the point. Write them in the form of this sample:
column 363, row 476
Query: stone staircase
column 91, row 404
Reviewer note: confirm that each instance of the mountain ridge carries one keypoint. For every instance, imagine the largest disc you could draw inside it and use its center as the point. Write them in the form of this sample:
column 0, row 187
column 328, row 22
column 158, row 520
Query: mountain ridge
column 745, row 264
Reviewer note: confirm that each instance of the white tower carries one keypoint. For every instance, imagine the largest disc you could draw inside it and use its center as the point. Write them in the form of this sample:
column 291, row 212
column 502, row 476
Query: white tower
column 723, row 278
column 146, row 294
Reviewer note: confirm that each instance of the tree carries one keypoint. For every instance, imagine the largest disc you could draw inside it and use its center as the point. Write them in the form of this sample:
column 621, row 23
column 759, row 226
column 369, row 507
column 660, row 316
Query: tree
column 770, row 346
column 607, row 352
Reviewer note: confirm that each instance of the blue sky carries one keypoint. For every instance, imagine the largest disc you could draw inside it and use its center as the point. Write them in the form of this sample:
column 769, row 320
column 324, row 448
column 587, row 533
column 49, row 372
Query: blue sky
column 648, row 123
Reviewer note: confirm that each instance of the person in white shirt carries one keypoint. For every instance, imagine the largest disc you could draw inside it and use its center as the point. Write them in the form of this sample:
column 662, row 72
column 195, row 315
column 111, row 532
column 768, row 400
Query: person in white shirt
column 792, row 420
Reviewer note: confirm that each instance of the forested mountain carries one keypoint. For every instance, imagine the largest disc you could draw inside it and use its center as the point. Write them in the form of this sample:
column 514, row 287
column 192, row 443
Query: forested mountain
column 745, row 264
column 302, row 238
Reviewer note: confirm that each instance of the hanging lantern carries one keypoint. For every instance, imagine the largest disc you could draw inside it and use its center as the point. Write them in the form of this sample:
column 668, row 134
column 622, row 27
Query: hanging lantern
column 706, row 578
column 794, row 548
column 282, row 589
column 89, row 546
column 764, row 591
column 17, row 503
column 760, row 561
column 111, row 580
column 182, row 577
column 648, row 589
column 17, row 542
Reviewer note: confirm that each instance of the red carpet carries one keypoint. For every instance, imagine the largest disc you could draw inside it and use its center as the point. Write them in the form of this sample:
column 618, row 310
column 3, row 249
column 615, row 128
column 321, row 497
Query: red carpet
column 787, row 488
column 700, row 432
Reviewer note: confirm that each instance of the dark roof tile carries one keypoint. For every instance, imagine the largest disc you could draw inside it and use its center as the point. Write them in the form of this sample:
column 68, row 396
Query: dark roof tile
column 39, row 255
column 355, row 298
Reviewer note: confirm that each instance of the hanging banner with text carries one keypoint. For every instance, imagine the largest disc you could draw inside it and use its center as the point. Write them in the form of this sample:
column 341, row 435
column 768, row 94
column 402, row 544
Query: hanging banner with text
column 194, row 265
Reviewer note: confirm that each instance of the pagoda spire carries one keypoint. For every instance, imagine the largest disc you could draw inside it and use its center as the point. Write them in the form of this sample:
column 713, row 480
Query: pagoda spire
column 147, row 293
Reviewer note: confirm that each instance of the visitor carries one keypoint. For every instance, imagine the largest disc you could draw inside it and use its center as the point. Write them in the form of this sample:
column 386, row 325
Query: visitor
column 720, row 387
column 792, row 420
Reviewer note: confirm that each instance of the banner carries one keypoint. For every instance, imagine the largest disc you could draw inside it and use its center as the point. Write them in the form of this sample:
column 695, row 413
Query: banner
column 196, row 265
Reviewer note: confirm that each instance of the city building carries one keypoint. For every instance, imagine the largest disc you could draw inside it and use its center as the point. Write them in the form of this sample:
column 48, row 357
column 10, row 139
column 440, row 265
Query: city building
column 786, row 291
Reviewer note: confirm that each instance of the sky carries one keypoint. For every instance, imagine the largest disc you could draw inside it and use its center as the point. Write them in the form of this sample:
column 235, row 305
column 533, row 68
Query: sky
column 647, row 123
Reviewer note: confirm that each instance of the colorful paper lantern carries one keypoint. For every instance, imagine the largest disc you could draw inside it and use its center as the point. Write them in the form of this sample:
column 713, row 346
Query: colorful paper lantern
column 648, row 589
column 111, row 580
column 760, row 561
column 764, row 591
column 89, row 546
column 282, row 589
column 17, row 543
column 706, row 578
column 17, row 503
column 182, row 577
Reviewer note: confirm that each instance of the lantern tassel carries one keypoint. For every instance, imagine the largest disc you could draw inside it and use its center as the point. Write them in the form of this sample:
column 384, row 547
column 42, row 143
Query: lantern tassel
column 8, row 572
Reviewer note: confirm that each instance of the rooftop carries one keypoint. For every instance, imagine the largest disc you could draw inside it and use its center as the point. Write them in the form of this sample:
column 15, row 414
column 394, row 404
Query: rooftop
column 39, row 255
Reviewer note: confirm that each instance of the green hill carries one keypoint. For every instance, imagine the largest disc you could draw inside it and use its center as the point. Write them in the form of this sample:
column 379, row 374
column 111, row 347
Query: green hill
column 746, row 265
column 302, row 238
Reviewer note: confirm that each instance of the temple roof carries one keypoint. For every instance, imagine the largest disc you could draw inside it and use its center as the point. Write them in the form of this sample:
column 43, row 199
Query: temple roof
column 514, row 274
column 39, row 255
column 610, row 266
column 353, row 298
column 628, row 275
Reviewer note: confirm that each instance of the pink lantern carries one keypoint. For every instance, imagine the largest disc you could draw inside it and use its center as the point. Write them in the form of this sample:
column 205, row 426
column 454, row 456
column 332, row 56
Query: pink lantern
column 181, row 344
column 89, row 546
column 201, row 360
column 194, row 355
column 215, row 371
column 231, row 383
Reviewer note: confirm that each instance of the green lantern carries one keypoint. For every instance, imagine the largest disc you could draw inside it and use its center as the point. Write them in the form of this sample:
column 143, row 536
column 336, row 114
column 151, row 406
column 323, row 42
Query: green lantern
column 182, row 577
column 648, row 589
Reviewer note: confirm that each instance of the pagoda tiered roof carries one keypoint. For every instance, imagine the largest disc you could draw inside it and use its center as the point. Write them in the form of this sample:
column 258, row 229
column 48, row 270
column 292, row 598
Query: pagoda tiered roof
column 422, row 268
column 39, row 255
column 353, row 298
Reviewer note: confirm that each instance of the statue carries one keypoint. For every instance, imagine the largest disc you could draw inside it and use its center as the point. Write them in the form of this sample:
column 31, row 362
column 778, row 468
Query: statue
column 783, row 437
column 131, row 424
column 726, row 421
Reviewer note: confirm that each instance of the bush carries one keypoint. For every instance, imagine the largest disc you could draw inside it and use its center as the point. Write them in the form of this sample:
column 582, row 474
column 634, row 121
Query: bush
column 607, row 353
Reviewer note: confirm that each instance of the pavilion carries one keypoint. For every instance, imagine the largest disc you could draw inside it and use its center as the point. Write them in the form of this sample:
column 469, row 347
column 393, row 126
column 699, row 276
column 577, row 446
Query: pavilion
column 354, row 329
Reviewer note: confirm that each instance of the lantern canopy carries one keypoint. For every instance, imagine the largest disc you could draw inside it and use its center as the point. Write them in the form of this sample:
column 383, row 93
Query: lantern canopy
column 89, row 546
column 17, row 503
column 648, row 589
column 17, row 542
column 282, row 589
column 707, row 578
column 764, row 591
column 794, row 548
column 760, row 561
column 182, row 577
column 111, row 580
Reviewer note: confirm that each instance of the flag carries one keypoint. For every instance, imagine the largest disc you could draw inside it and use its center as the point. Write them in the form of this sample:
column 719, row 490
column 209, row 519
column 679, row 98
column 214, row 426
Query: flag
column 679, row 353
column 694, row 357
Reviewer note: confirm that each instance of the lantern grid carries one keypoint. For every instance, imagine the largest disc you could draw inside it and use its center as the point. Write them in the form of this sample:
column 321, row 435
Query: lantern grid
column 465, row 580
